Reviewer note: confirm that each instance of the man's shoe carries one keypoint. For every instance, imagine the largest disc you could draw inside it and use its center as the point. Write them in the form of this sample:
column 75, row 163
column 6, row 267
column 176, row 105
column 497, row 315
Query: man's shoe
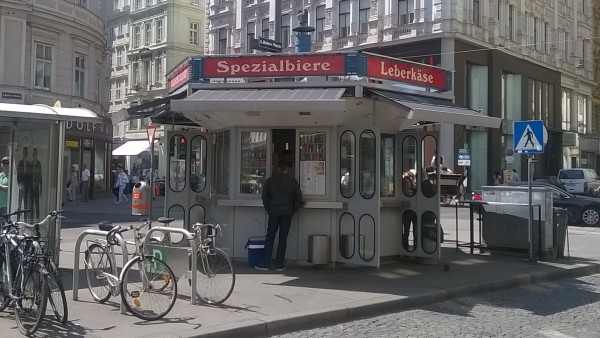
column 261, row 267
column 280, row 268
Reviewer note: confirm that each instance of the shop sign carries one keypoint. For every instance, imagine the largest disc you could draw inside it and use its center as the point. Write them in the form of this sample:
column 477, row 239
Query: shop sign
column 408, row 72
column 275, row 66
column 94, row 128
column 87, row 143
column 13, row 96
column 72, row 144
column 181, row 76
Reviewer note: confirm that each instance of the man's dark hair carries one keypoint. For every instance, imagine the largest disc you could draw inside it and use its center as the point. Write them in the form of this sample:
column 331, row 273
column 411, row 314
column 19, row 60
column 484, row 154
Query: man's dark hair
column 285, row 161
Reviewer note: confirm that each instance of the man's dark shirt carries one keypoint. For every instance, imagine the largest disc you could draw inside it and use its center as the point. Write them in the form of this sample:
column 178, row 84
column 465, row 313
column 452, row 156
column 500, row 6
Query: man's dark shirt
column 36, row 173
column 24, row 174
column 281, row 195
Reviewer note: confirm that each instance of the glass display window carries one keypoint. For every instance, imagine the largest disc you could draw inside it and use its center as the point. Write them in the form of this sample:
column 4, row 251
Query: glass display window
column 198, row 164
column 221, row 174
column 347, row 163
column 367, row 151
column 253, row 163
column 388, row 164
column 312, row 148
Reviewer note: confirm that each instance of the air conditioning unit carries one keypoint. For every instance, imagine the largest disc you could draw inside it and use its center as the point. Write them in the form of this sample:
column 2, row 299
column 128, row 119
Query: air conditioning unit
column 579, row 62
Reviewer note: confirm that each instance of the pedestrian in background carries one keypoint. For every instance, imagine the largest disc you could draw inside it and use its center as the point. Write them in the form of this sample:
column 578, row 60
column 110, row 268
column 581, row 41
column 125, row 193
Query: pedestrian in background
column 281, row 198
column 515, row 176
column 4, row 186
column 497, row 178
column 72, row 185
column 121, row 183
column 85, row 184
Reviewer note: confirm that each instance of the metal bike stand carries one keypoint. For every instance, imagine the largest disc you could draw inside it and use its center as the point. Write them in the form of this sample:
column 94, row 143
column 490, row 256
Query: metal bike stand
column 124, row 253
column 191, row 239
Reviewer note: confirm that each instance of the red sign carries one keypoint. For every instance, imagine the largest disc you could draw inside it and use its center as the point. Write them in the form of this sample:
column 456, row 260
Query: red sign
column 275, row 66
column 407, row 72
column 180, row 77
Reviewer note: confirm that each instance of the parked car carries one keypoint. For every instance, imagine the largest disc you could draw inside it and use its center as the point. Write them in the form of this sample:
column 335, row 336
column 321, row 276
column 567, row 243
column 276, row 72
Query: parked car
column 550, row 180
column 580, row 181
column 583, row 209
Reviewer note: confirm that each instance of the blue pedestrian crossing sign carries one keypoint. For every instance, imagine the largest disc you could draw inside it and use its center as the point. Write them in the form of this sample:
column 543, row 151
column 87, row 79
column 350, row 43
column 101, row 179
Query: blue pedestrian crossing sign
column 529, row 137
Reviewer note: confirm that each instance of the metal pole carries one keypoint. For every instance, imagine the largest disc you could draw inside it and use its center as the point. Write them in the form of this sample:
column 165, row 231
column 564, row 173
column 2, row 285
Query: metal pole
column 151, row 177
column 530, row 204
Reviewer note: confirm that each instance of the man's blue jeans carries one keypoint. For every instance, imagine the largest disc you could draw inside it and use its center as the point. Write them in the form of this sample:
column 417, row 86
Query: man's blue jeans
column 281, row 223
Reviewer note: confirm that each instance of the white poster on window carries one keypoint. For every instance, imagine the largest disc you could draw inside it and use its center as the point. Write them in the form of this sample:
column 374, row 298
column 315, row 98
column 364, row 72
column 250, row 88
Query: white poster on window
column 312, row 177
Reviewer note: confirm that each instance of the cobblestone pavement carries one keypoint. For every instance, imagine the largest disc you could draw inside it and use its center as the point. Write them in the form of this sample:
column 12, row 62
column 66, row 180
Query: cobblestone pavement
column 565, row 308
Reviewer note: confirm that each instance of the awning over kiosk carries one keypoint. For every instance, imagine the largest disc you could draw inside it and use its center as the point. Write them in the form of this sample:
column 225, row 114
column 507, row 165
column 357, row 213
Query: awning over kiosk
column 422, row 108
column 132, row 148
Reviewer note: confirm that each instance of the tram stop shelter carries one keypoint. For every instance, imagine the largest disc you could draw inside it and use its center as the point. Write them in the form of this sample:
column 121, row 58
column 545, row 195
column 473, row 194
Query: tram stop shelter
column 32, row 139
column 362, row 150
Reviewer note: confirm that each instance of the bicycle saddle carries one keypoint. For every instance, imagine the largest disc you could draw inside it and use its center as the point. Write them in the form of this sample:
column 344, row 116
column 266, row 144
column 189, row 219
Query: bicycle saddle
column 106, row 226
column 165, row 220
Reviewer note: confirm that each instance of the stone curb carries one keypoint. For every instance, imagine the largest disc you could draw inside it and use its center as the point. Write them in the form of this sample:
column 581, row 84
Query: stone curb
column 377, row 306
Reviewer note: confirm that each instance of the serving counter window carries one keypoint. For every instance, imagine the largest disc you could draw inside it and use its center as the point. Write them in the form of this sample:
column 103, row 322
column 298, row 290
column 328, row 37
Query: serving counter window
column 198, row 164
column 221, row 174
column 347, row 163
column 367, row 178
column 177, row 158
column 387, row 166
column 312, row 162
column 253, row 162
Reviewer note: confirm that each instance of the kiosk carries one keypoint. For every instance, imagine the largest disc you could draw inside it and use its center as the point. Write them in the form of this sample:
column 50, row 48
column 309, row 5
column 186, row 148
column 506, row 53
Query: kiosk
column 362, row 150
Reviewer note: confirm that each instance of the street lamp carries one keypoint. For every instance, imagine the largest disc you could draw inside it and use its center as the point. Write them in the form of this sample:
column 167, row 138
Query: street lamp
column 150, row 132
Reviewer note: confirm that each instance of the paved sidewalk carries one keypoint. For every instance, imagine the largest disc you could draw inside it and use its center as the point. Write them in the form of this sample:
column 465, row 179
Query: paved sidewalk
column 304, row 296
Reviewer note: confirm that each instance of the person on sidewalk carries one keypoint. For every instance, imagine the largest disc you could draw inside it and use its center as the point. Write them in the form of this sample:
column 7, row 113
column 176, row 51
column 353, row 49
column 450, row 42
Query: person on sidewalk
column 4, row 186
column 121, row 184
column 282, row 198
column 85, row 184
column 72, row 185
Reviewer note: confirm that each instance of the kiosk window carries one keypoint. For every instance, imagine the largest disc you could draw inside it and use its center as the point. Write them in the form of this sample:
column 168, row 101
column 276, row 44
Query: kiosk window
column 221, row 174
column 198, row 162
column 429, row 184
column 347, row 163
column 178, row 156
column 410, row 175
column 312, row 163
column 254, row 162
column 367, row 164
column 388, row 156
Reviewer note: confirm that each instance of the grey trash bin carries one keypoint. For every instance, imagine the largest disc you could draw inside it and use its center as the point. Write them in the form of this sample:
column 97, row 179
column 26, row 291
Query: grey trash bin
column 318, row 249
column 561, row 220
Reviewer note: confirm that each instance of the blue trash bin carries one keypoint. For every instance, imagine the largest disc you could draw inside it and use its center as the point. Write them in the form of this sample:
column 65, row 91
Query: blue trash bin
column 256, row 250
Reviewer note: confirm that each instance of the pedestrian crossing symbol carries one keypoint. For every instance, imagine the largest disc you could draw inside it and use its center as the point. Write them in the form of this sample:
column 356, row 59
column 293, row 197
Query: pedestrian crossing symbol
column 529, row 137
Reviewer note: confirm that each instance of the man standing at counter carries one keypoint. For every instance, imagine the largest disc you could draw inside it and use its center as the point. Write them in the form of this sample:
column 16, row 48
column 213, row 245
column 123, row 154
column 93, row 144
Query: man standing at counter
column 282, row 198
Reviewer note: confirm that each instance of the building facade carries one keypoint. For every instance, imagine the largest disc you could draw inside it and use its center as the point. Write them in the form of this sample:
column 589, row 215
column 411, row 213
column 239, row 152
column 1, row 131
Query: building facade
column 54, row 51
column 519, row 60
column 146, row 38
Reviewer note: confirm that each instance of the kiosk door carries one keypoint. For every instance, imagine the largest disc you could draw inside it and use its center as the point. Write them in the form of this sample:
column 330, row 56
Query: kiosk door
column 358, row 221
column 188, row 188
column 420, row 210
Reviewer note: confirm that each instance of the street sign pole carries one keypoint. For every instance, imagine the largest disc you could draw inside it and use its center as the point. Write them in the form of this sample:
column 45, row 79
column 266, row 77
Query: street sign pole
column 150, row 132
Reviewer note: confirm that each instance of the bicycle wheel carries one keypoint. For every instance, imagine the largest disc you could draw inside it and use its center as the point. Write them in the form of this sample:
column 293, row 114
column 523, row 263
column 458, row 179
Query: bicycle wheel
column 56, row 294
column 98, row 262
column 148, row 288
column 215, row 277
column 4, row 297
column 32, row 297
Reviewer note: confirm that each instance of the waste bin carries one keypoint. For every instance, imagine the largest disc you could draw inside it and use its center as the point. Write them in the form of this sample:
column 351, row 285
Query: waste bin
column 561, row 220
column 256, row 250
column 318, row 249
column 141, row 197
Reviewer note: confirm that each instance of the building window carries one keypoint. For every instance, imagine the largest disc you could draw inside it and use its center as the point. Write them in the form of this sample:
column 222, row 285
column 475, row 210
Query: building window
column 537, row 38
column 344, row 19
column 116, row 5
column 148, row 34
column 250, row 35
column 195, row 2
column 136, row 36
column 363, row 16
column 138, row 4
column 511, row 22
column 158, row 70
column 320, row 23
column 134, row 124
column 136, row 73
column 567, row 44
column 406, row 12
column 120, row 29
column 265, row 28
column 118, row 91
column 43, row 66
column 476, row 12
column 148, row 3
column 222, row 41
column 159, row 31
column 582, row 116
column 285, row 30
column 83, row 3
column 79, row 85
column 566, row 109
column 119, row 57
column 194, row 31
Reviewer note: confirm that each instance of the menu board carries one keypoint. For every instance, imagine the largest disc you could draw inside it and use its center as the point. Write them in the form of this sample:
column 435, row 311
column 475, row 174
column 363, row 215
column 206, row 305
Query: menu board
column 312, row 177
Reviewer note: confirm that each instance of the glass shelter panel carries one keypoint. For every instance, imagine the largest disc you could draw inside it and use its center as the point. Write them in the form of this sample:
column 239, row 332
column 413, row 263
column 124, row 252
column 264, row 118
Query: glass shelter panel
column 409, row 166
column 346, row 240
column 312, row 162
column 347, row 163
column 429, row 184
column 366, row 244
column 221, row 174
column 198, row 164
column 176, row 211
column 429, row 232
column 387, row 168
column 367, row 175
column 409, row 235
column 197, row 214
column 254, row 162
column 177, row 162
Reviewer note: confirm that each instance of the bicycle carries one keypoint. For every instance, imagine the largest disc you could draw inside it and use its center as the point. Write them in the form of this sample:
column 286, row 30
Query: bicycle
column 215, row 276
column 153, row 283
column 27, row 288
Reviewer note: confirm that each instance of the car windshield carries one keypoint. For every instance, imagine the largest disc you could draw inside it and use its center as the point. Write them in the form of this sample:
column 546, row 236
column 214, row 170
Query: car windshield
column 571, row 174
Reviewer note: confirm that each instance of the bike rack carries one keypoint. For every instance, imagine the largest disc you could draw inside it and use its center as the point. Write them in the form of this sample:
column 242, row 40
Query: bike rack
column 191, row 239
column 124, row 252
